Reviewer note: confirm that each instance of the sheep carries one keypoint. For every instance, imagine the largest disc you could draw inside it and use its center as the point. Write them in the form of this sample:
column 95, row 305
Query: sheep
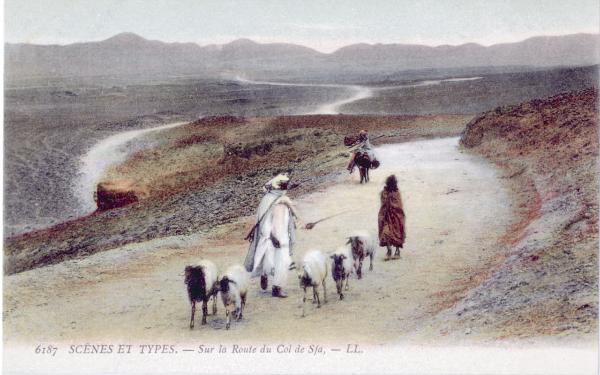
column 341, row 267
column 234, row 287
column 362, row 245
column 201, row 281
column 314, row 272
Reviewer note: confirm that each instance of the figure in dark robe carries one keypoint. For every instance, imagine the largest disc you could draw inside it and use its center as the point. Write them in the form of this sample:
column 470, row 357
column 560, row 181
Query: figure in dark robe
column 391, row 219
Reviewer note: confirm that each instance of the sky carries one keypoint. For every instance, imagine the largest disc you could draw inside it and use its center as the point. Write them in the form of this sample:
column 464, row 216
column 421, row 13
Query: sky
column 322, row 25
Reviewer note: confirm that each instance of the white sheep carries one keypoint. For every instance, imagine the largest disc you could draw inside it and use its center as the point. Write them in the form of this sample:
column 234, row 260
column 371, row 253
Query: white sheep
column 201, row 281
column 362, row 245
column 314, row 273
column 341, row 267
column 234, row 287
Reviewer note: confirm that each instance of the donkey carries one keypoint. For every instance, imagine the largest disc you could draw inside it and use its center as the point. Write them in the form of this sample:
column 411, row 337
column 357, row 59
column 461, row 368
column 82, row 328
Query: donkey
column 363, row 162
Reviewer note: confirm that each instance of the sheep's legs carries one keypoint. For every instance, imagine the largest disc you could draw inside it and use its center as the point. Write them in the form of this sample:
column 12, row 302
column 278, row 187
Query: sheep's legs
column 238, row 309
column 359, row 269
column 347, row 281
column 264, row 282
column 316, row 294
column 214, row 307
column 324, row 292
column 314, row 300
column 371, row 262
column 204, row 311
column 193, row 313
column 242, row 306
column 304, row 303
column 227, row 317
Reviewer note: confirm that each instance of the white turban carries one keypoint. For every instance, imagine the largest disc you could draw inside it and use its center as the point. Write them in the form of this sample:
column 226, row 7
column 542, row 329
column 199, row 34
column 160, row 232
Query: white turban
column 275, row 182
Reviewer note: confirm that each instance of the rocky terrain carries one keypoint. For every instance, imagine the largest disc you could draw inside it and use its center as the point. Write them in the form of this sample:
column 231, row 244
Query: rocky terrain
column 48, row 132
column 476, row 95
column 447, row 195
column 546, row 284
column 493, row 254
column 51, row 124
column 210, row 172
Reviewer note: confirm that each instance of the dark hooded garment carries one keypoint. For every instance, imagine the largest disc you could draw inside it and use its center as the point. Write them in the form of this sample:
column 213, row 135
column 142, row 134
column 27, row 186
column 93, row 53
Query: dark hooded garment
column 391, row 219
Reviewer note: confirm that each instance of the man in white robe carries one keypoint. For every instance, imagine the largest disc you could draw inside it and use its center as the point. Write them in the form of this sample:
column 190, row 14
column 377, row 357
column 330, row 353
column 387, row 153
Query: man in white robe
column 272, row 238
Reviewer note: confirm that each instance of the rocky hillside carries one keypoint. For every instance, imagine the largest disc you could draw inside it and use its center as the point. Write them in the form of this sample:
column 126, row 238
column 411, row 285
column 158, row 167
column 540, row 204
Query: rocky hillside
column 211, row 171
column 548, row 282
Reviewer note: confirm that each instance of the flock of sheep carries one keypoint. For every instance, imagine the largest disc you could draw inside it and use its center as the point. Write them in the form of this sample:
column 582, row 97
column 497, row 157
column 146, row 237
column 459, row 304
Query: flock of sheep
column 203, row 281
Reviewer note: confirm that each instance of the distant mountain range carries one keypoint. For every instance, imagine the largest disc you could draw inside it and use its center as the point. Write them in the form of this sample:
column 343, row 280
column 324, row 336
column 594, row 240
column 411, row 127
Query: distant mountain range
column 130, row 54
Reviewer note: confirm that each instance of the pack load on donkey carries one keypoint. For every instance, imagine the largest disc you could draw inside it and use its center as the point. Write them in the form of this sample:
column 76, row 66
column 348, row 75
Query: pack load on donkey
column 363, row 155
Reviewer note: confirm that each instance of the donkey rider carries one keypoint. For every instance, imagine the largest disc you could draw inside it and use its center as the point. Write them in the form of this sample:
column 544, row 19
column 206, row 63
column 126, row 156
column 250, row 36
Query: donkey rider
column 362, row 144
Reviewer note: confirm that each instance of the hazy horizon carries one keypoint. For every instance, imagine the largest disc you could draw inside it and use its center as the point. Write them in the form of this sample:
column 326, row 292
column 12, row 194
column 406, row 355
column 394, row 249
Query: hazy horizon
column 288, row 42
column 323, row 27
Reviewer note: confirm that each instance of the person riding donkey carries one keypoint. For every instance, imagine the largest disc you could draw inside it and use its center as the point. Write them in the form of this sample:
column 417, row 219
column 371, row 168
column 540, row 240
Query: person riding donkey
column 272, row 237
column 362, row 145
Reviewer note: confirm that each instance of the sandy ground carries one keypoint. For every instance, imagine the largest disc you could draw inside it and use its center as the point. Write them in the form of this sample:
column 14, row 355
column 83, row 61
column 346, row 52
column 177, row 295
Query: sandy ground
column 456, row 208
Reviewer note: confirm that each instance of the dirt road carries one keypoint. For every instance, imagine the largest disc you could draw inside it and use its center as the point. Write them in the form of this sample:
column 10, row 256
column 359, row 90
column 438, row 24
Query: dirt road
column 456, row 207
column 108, row 151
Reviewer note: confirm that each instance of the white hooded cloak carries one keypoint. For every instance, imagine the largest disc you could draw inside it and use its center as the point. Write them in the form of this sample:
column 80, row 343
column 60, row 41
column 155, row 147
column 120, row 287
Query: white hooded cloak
column 275, row 217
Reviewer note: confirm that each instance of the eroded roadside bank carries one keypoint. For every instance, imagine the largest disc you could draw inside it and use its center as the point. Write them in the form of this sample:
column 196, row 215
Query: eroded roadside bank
column 457, row 209
column 195, row 184
column 546, row 285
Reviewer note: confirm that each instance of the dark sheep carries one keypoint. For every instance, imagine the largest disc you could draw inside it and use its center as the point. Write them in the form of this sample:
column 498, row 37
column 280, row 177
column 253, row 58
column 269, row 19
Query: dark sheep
column 201, row 281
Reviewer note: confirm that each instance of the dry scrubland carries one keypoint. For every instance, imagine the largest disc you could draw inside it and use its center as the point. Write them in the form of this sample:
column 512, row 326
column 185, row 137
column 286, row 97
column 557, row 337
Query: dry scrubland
column 387, row 306
column 50, row 125
column 540, row 282
column 547, row 284
column 214, row 149
column 211, row 172
column 480, row 95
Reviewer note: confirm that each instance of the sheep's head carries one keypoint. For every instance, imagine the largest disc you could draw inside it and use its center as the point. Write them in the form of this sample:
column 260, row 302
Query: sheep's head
column 357, row 245
column 224, row 285
column 194, row 279
column 192, row 273
column 188, row 274
column 338, row 270
column 304, row 279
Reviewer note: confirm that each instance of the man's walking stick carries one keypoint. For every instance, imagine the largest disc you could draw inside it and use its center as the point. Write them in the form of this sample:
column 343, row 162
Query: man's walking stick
column 312, row 225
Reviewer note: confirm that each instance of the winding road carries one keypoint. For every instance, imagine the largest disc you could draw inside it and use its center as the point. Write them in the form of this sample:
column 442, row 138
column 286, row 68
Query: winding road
column 355, row 93
column 102, row 155
column 455, row 205
column 116, row 148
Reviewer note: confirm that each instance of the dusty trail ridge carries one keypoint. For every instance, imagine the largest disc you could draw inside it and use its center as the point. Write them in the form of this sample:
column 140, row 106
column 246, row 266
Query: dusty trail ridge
column 456, row 209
